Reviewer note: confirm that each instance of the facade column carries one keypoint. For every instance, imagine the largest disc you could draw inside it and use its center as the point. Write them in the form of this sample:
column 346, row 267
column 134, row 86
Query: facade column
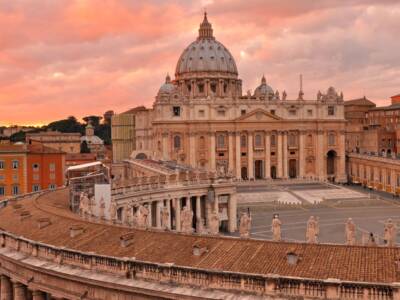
column 232, row 208
column 165, row 146
column 6, row 289
column 320, row 157
column 159, row 205
column 237, row 152
column 198, row 213
column 38, row 295
column 230, row 152
column 301, row 155
column 19, row 291
column 216, row 204
column 178, row 214
column 267, row 158
column 212, row 151
column 285, row 154
column 192, row 150
column 279, row 171
column 341, row 174
column 250, row 161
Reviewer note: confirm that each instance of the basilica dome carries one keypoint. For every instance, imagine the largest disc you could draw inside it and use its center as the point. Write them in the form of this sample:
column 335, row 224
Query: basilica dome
column 263, row 89
column 168, row 87
column 206, row 54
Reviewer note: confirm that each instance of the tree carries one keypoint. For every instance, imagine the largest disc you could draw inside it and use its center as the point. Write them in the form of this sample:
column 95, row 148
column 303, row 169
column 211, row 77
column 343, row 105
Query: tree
column 18, row 137
column 84, row 147
column 70, row 124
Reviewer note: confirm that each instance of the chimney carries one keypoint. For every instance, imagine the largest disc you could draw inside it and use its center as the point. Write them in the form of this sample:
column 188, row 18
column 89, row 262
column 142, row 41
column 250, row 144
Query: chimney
column 75, row 230
column 43, row 222
column 127, row 239
column 25, row 215
column 198, row 250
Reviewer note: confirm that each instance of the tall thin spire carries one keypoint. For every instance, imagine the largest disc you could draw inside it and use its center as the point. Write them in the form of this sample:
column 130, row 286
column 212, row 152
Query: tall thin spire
column 205, row 30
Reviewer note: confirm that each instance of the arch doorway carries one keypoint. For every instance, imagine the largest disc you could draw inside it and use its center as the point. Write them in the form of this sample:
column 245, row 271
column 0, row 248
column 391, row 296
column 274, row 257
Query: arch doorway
column 258, row 168
column 292, row 168
column 331, row 163
column 273, row 172
column 244, row 173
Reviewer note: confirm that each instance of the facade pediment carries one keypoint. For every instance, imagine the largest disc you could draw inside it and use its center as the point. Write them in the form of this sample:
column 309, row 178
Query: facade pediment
column 258, row 115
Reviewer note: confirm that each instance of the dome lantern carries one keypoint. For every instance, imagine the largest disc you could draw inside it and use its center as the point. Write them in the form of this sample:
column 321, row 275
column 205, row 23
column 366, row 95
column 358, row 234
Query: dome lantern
column 205, row 30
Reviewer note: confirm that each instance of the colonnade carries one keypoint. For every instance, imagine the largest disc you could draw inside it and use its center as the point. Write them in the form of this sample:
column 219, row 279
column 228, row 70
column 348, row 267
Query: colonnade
column 201, row 205
column 11, row 289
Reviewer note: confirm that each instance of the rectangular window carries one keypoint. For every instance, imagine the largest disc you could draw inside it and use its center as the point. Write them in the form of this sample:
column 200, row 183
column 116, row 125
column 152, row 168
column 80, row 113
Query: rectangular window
column 1, row 177
column 292, row 112
column 2, row 164
column 201, row 113
column 15, row 190
column 221, row 113
column 272, row 111
column 309, row 112
column 35, row 188
column 15, row 164
column 52, row 186
column 331, row 110
column 176, row 111
column 2, row 191
column 15, row 177
column 243, row 112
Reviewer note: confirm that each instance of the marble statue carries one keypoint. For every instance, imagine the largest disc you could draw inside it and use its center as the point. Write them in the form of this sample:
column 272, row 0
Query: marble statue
column 84, row 205
column 213, row 226
column 350, row 232
column 277, row 96
column 371, row 240
column 319, row 96
column 113, row 210
column 312, row 230
column 128, row 215
column 165, row 218
column 186, row 220
column 390, row 233
column 276, row 229
column 102, row 207
column 284, row 95
column 245, row 225
column 141, row 216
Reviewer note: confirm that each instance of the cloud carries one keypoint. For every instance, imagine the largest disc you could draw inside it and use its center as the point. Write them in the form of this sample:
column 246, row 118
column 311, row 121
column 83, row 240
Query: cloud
column 81, row 57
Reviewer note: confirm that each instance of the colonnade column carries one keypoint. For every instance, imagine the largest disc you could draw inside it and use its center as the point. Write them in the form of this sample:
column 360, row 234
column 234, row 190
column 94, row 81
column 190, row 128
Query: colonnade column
column 19, row 291
column 285, row 155
column 150, row 217
column 212, row 149
column 178, row 214
column 250, row 161
column 38, row 295
column 232, row 207
column 169, row 213
column 6, row 289
column 159, row 206
column 279, row 171
column 267, row 163
column 165, row 146
column 230, row 151
column 192, row 150
column 301, row 155
column 237, row 151
column 216, row 204
column 198, row 213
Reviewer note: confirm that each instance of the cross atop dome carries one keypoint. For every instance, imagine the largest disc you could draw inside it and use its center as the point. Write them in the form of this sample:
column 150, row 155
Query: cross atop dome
column 205, row 30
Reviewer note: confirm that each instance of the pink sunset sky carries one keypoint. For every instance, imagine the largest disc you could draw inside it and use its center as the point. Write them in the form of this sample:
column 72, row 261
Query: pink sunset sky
column 82, row 57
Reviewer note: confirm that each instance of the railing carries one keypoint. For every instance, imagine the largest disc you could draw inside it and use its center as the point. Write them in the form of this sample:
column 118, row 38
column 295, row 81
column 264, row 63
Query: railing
column 171, row 273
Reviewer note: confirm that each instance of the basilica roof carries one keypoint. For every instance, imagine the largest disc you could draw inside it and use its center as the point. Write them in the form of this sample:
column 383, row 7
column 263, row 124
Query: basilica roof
column 205, row 54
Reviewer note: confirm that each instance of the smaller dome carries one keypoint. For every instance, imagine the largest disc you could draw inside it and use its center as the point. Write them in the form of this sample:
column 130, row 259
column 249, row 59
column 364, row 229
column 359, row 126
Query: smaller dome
column 263, row 89
column 168, row 87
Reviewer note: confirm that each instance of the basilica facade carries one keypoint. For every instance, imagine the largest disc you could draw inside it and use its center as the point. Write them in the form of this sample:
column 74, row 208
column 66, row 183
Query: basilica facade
column 201, row 118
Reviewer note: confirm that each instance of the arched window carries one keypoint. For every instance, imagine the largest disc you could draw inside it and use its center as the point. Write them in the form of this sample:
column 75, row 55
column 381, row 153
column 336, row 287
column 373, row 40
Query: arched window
column 159, row 146
column 258, row 140
column 331, row 139
column 202, row 142
column 177, row 142
column 243, row 141
column 273, row 140
column 221, row 141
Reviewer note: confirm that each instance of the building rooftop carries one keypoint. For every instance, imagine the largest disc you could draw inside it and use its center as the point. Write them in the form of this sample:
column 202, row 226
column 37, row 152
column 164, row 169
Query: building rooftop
column 316, row 261
column 360, row 101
